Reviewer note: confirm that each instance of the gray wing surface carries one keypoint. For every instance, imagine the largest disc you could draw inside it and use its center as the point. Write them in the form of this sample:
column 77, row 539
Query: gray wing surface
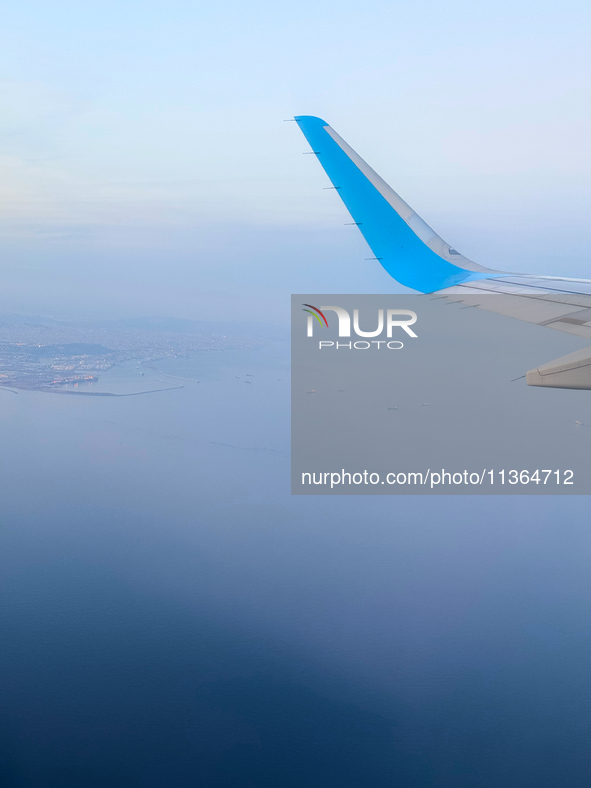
column 562, row 304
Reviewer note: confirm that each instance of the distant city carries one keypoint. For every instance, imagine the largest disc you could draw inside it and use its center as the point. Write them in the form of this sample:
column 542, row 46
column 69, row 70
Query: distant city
column 46, row 354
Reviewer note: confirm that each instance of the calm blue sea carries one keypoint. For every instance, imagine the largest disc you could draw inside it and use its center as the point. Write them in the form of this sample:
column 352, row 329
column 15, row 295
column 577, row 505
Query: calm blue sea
column 171, row 616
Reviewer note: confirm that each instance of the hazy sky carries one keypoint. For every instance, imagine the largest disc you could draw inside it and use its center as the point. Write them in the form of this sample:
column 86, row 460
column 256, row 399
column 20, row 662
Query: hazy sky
column 146, row 167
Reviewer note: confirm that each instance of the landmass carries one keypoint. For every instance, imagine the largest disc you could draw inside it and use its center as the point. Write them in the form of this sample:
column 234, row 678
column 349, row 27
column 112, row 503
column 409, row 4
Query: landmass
column 48, row 354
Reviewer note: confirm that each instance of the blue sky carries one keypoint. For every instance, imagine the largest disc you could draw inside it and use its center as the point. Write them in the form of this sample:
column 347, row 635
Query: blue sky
column 146, row 167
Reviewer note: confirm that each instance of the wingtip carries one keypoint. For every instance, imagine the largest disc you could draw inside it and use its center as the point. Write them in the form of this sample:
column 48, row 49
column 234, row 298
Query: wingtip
column 310, row 119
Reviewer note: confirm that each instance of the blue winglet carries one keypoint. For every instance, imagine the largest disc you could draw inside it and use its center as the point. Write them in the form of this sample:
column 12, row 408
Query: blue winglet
column 384, row 218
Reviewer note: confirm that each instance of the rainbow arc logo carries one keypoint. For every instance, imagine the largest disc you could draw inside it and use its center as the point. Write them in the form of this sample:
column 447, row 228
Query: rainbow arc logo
column 316, row 315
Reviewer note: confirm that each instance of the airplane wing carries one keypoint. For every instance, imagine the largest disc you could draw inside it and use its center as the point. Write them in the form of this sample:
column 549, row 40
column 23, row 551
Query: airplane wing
column 413, row 254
